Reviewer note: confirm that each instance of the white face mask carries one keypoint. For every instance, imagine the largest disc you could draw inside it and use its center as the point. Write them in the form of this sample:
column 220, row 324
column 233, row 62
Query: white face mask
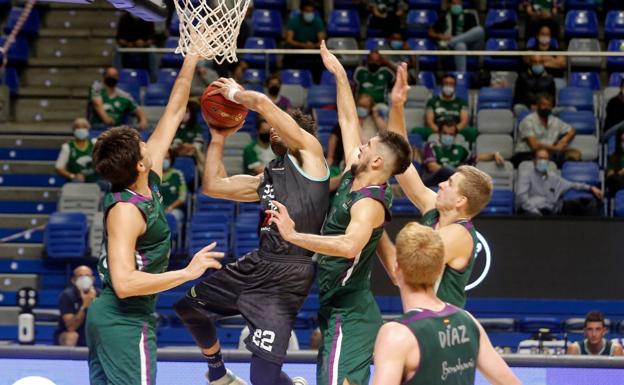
column 448, row 90
column 84, row 283
column 544, row 39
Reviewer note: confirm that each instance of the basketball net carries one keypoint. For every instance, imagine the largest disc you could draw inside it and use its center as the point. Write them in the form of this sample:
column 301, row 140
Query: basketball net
column 209, row 28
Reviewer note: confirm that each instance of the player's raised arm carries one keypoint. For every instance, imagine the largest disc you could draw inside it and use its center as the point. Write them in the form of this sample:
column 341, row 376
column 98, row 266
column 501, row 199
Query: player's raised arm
column 347, row 113
column 411, row 184
column 159, row 142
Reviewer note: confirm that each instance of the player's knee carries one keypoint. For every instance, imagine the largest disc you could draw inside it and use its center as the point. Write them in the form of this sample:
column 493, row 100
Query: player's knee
column 185, row 310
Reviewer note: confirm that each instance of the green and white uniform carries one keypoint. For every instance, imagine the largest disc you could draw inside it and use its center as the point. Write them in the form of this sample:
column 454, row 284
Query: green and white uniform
column 349, row 317
column 77, row 160
column 449, row 345
column 121, row 333
column 452, row 286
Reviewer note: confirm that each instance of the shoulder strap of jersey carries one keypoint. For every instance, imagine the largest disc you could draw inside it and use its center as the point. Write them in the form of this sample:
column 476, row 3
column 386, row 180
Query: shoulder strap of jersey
column 381, row 193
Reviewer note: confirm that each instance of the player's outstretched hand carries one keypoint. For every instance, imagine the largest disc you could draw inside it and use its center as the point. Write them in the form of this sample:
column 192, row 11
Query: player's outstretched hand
column 282, row 220
column 203, row 260
column 330, row 60
column 226, row 87
column 401, row 88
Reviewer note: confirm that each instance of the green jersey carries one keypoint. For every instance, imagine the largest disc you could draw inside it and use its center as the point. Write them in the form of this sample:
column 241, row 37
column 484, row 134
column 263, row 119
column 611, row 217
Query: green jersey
column 80, row 160
column 189, row 134
column 452, row 286
column 542, row 5
column 117, row 105
column 152, row 247
column 376, row 84
column 443, row 108
column 173, row 187
column 449, row 345
column 337, row 275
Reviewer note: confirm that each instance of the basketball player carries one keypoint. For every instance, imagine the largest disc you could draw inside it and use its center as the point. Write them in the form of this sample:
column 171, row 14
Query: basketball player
column 349, row 317
column 269, row 285
column 121, row 328
column 594, row 343
column 449, row 211
column 432, row 342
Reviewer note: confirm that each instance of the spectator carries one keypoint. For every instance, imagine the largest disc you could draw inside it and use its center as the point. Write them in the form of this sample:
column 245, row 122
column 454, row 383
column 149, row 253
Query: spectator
column 134, row 32
column 538, row 192
column 375, row 78
column 173, row 188
column 594, row 343
column 371, row 117
column 541, row 12
column 112, row 105
column 531, row 83
column 73, row 304
column 542, row 130
column 259, row 152
column 305, row 31
column 74, row 160
column 387, row 15
column 615, row 111
column 398, row 42
column 615, row 167
column 555, row 65
column 273, row 85
column 458, row 30
column 443, row 156
column 189, row 138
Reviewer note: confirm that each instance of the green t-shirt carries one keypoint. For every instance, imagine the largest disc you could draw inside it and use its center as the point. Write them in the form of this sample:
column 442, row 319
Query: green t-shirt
column 189, row 134
column 450, row 157
column 117, row 106
column 305, row 32
column 445, row 108
column 80, row 161
column 255, row 155
column 541, row 5
column 173, row 187
column 375, row 84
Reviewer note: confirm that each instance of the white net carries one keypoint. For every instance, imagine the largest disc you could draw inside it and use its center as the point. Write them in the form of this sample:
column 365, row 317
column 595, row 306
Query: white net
column 210, row 27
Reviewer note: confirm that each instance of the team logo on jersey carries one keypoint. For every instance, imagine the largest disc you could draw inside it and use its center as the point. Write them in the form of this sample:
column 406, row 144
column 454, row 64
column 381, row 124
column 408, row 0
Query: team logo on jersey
column 268, row 195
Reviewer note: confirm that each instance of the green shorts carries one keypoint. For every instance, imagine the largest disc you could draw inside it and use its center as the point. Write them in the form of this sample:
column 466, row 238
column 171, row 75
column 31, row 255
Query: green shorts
column 348, row 339
column 122, row 348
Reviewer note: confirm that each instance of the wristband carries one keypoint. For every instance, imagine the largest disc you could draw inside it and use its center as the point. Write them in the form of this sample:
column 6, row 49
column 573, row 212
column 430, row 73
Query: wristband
column 232, row 91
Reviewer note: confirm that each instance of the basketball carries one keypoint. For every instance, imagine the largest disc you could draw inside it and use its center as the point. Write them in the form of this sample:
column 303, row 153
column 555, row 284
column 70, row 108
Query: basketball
column 220, row 113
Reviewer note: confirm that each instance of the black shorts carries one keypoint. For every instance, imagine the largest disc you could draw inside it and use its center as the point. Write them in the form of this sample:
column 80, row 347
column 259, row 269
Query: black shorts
column 268, row 293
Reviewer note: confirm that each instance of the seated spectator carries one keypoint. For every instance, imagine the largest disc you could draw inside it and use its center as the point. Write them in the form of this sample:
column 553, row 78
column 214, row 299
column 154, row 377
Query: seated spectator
column 442, row 156
column 397, row 42
column 74, row 161
column 555, row 65
column 189, row 138
column 594, row 343
column 259, row 152
column 112, row 105
column 134, row 32
column 458, row 30
column 273, row 84
column 615, row 167
column 615, row 112
column 173, row 188
column 531, row 83
column 305, row 30
column 371, row 117
column 74, row 302
column 538, row 192
column 387, row 15
column 542, row 130
column 541, row 12
column 375, row 78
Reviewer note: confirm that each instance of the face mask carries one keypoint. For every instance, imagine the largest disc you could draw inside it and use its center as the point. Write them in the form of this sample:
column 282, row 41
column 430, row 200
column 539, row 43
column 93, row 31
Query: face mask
column 81, row 133
column 274, row 90
column 308, row 17
column 544, row 39
column 166, row 164
column 537, row 69
column 456, row 9
column 362, row 112
column 84, row 283
column 447, row 140
column 396, row 44
column 544, row 112
column 448, row 90
column 541, row 166
column 110, row 81
column 264, row 137
column 373, row 67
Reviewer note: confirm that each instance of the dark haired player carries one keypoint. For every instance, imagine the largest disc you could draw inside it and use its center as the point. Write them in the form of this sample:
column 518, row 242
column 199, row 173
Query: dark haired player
column 269, row 285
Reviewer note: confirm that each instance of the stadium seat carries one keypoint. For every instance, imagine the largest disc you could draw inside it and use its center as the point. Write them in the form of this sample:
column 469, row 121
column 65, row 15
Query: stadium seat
column 321, row 96
column 29, row 153
column 167, row 76
column 254, row 75
column 419, row 20
column 425, row 4
column 502, row 175
column 488, row 143
column 404, row 206
column 588, row 146
column 495, row 121
column 499, row 63
column 580, row 98
column 427, row 79
column 174, row 25
column 581, row 23
column 497, row 325
column 334, row 43
column 171, row 59
column 186, row 164
column 96, row 234
column 325, row 119
column 376, row 44
column 494, row 98
column 267, row 23
column 272, row 4
column 80, row 197
column 616, row 79
column 344, row 23
column 295, row 93
column 619, row 204
column 583, row 121
column 135, row 76
column 296, row 76
column 259, row 59
column 204, row 229
column 205, row 205
column 532, row 43
column 583, row 172
column 66, row 235
column 615, row 63
column 425, row 62
column 502, row 17
column 31, row 25
column 589, row 80
column 582, row 4
column 502, row 203
column 327, row 78
column 414, row 117
column 18, row 51
column 157, row 94
column 585, row 62
column 614, row 25
column 133, row 89
column 27, row 207
column 464, row 79
column 417, row 97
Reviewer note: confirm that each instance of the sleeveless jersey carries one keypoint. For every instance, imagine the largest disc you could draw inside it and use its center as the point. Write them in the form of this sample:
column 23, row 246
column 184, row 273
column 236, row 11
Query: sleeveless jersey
column 306, row 199
column 453, row 283
column 338, row 275
column 80, row 161
column 449, row 345
column 607, row 348
column 152, row 248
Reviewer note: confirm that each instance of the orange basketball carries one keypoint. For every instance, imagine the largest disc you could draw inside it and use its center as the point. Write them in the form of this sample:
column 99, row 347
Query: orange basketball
column 221, row 113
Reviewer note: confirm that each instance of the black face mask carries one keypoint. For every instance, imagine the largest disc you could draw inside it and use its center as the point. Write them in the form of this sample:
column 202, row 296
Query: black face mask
column 264, row 137
column 274, row 90
column 544, row 112
column 373, row 67
column 110, row 81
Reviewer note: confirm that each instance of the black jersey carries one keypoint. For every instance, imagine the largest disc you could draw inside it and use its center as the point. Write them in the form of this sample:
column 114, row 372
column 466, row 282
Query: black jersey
column 305, row 197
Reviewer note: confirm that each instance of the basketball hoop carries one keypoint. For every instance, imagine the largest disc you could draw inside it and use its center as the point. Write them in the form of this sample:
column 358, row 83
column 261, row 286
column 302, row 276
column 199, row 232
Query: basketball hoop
column 209, row 28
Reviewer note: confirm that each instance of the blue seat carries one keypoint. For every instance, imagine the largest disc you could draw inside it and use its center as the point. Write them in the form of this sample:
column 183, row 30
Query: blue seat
column 259, row 59
column 583, row 172
column 171, row 59
column 267, row 23
column 66, row 235
column 205, row 205
column 582, row 4
column 461, row 92
column 186, row 164
column 174, row 25
column 580, row 98
column 326, row 118
column 615, row 63
column 503, row 4
column 254, row 75
column 18, row 51
column 426, row 62
column 324, row 139
column 11, row 79
column 32, row 180
column 614, row 25
column 532, row 43
column 615, row 79
column 297, row 76
column 404, row 206
column 500, row 63
column 581, row 23
column 344, row 23
column 272, row 4
column 415, row 140
column 589, row 80
column 167, row 76
column 426, row 79
column 419, row 20
column 502, row 203
column 619, row 204
column 583, row 121
column 133, row 89
column 33, row 266
column 157, row 94
column 425, row 4
column 321, row 96
column 30, row 26
column 27, row 207
column 497, row 17
column 494, row 98
column 29, row 153
column 135, row 76
column 464, row 79
column 376, row 43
